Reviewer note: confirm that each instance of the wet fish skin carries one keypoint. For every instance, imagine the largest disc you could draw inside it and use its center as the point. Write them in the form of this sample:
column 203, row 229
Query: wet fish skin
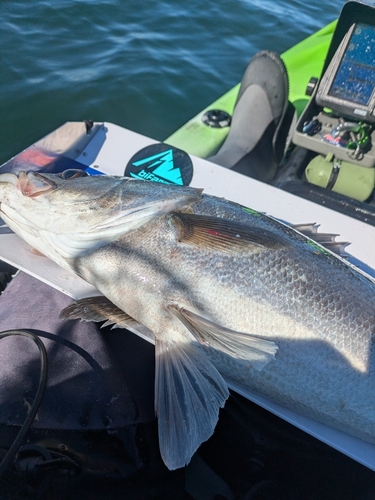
column 313, row 306
column 298, row 292
column 35, row 205
column 271, row 310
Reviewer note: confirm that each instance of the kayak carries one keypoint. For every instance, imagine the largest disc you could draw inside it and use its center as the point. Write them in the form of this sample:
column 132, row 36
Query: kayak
column 329, row 158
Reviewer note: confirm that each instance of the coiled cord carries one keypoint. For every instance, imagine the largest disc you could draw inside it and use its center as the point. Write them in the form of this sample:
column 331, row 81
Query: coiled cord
column 38, row 397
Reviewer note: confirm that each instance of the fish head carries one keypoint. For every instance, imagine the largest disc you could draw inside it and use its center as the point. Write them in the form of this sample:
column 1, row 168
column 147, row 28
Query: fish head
column 92, row 209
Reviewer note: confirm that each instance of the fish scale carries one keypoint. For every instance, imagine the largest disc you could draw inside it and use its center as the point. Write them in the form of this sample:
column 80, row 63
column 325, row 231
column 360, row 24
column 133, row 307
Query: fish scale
column 300, row 277
column 286, row 325
column 230, row 294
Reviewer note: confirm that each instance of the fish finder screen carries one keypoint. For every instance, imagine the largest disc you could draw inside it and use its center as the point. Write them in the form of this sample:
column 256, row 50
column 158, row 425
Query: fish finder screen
column 355, row 78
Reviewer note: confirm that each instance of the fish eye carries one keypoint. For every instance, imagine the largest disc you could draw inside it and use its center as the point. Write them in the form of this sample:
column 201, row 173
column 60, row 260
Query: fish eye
column 73, row 173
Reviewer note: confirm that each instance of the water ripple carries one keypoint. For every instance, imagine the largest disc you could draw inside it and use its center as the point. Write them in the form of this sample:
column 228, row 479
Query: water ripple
column 147, row 66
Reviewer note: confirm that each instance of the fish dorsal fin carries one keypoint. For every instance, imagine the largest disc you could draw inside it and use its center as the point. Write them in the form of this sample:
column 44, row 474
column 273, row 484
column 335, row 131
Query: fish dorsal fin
column 189, row 393
column 327, row 240
column 256, row 350
column 97, row 309
column 337, row 247
column 222, row 234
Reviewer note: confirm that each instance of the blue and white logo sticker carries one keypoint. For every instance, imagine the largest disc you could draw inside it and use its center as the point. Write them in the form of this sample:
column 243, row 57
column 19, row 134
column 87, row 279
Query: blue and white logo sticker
column 161, row 163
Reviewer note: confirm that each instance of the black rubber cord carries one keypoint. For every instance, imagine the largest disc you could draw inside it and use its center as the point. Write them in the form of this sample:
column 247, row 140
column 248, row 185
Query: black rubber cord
column 38, row 397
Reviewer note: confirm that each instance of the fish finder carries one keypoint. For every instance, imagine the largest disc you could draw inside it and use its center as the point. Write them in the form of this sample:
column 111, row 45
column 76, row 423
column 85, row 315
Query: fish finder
column 339, row 119
column 348, row 85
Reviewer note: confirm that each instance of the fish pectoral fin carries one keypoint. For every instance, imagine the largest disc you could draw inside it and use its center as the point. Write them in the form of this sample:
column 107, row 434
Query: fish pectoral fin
column 222, row 234
column 189, row 393
column 97, row 309
column 245, row 346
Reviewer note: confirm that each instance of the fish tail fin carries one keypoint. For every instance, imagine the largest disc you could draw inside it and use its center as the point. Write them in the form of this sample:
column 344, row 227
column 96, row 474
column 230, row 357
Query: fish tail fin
column 189, row 393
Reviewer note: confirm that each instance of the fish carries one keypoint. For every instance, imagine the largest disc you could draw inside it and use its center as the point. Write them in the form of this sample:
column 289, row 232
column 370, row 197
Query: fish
column 228, row 293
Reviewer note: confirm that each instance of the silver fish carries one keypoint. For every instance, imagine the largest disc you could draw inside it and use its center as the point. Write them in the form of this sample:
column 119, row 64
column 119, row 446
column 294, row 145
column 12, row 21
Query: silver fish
column 229, row 293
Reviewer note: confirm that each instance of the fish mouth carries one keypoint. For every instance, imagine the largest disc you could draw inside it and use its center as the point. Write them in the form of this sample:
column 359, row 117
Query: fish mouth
column 32, row 184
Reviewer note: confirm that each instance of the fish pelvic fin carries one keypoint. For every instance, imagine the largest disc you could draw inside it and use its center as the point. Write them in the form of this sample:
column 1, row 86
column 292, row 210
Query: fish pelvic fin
column 189, row 393
column 244, row 346
column 222, row 234
column 97, row 309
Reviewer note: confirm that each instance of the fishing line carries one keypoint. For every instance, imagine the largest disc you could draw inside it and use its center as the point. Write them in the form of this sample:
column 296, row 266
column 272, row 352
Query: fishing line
column 38, row 397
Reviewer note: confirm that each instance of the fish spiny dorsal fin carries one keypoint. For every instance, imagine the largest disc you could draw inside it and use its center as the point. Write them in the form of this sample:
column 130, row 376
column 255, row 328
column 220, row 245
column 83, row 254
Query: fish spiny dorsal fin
column 327, row 240
column 307, row 229
column 222, row 234
column 337, row 247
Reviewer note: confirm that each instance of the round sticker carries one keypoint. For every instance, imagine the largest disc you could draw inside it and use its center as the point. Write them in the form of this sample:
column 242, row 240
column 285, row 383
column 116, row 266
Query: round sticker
column 161, row 163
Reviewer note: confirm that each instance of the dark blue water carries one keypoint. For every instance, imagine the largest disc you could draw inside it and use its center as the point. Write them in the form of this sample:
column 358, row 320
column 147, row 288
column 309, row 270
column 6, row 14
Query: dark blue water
column 149, row 66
